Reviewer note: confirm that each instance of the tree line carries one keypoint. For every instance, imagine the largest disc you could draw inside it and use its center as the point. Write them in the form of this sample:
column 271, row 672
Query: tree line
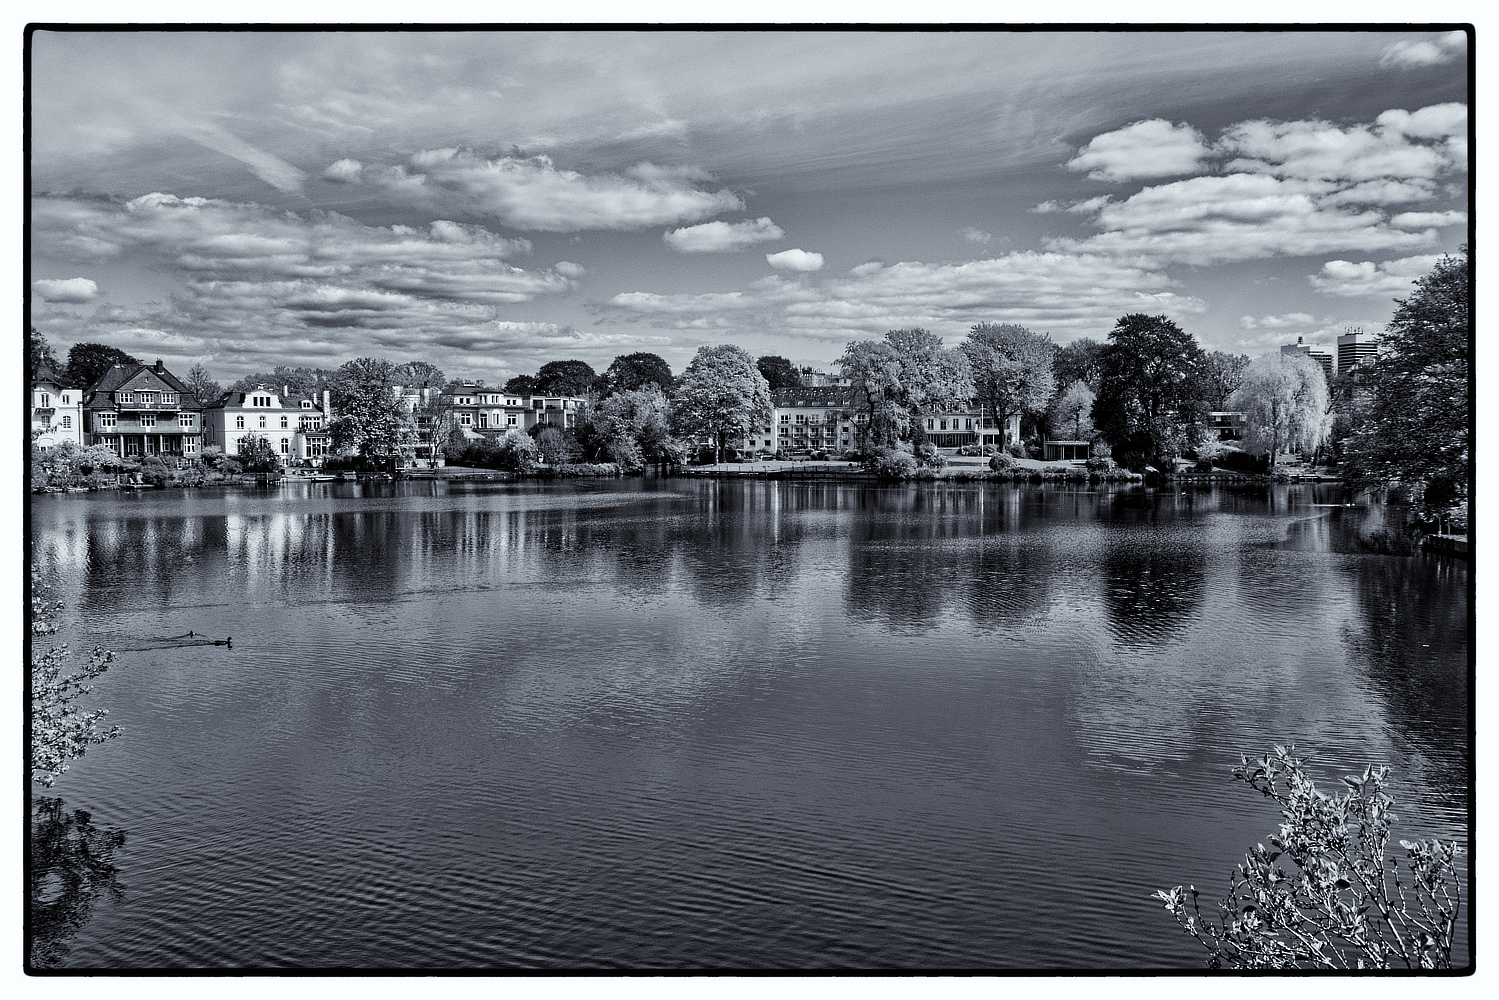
column 1142, row 396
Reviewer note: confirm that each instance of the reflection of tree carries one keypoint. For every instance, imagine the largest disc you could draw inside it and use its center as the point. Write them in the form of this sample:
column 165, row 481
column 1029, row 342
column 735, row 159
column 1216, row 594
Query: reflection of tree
column 71, row 866
column 1154, row 583
column 1412, row 634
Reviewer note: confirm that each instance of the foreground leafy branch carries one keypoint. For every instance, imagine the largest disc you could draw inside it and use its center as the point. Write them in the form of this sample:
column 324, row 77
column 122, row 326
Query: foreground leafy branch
column 1324, row 895
column 61, row 729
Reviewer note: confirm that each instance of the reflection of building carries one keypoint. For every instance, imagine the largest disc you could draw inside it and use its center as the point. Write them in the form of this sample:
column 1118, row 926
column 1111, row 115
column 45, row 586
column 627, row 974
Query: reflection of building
column 1354, row 347
column 294, row 424
column 143, row 410
column 1321, row 357
column 56, row 411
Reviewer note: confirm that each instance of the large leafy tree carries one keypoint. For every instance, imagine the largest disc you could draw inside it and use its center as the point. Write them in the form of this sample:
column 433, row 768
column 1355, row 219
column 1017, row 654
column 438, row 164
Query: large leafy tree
column 87, row 363
column 1078, row 361
column 202, row 385
column 420, row 375
column 779, row 372
column 42, row 355
column 369, row 418
column 521, row 385
column 632, row 372
column 721, row 395
column 565, row 378
column 1284, row 401
column 629, row 428
column 1012, row 369
column 1150, row 396
column 1071, row 412
column 1415, row 435
column 907, row 373
column 1222, row 374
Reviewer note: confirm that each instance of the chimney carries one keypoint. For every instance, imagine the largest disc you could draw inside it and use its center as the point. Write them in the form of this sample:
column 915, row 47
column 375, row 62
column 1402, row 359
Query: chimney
column 285, row 393
column 327, row 406
column 158, row 364
column 1298, row 340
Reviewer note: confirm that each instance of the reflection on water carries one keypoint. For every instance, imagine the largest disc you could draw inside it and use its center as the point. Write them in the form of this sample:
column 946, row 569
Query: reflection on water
column 724, row 723
column 72, row 865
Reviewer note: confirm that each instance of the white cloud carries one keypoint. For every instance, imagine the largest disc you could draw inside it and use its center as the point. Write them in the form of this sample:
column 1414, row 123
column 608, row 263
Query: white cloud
column 795, row 260
column 973, row 235
column 533, row 193
column 1062, row 293
column 1214, row 220
column 1410, row 52
column 345, row 171
column 569, row 269
column 1347, row 279
column 265, row 285
column 1399, row 145
column 1143, row 149
column 68, row 290
column 1429, row 220
column 1297, row 319
column 722, row 237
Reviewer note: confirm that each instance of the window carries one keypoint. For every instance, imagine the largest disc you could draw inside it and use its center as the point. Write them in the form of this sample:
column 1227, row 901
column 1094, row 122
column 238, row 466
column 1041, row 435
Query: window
column 463, row 419
column 930, row 424
column 801, row 418
column 148, row 419
column 306, row 404
column 483, row 419
column 189, row 446
column 510, row 419
column 148, row 399
column 46, row 400
column 126, row 397
column 64, row 399
column 184, row 420
column 284, row 424
column 944, row 425
column 285, row 446
column 104, row 420
column 239, row 423
column 262, row 423
column 67, row 421
column 785, row 418
column 168, row 397
column 132, row 447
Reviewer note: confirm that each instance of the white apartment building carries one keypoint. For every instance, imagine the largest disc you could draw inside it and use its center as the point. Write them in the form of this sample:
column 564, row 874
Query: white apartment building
column 56, row 411
column 294, row 424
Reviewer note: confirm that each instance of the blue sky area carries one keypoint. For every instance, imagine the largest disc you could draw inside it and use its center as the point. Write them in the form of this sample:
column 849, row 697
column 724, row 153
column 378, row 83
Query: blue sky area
column 492, row 201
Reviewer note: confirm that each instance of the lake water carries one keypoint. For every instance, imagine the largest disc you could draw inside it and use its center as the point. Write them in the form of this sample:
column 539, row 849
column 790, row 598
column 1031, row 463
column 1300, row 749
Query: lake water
column 723, row 723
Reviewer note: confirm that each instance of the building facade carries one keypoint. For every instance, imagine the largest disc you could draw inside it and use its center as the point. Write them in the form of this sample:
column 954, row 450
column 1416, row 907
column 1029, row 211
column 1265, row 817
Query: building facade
column 56, row 411
column 1354, row 348
column 140, row 410
column 1321, row 357
column 484, row 411
column 296, row 425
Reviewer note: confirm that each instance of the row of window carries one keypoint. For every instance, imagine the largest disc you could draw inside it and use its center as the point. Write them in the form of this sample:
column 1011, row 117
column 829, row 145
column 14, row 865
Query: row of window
column 146, row 398
column 304, row 423
column 106, row 421
column 44, row 399
column 133, row 446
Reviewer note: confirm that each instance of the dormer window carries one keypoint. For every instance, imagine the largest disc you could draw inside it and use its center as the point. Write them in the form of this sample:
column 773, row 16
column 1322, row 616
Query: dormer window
column 148, row 399
column 306, row 404
column 168, row 397
column 125, row 397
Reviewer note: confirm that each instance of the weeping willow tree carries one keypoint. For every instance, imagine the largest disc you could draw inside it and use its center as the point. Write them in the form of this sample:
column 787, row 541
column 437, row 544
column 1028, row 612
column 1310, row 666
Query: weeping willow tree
column 1284, row 401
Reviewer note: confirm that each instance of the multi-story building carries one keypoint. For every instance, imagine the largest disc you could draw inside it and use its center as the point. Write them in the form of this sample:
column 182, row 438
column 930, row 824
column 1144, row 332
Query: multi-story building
column 56, row 410
column 815, row 418
column 481, row 410
column 811, row 378
column 143, row 410
column 1355, row 347
column 296, row 425
column 1321, row 357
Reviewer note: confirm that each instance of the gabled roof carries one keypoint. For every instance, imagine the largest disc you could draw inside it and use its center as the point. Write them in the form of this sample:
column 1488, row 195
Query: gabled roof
column 46, row 373
column 137, row 377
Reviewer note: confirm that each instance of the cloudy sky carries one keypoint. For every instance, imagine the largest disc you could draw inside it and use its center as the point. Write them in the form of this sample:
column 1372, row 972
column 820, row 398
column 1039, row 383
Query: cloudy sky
column 492, row 201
